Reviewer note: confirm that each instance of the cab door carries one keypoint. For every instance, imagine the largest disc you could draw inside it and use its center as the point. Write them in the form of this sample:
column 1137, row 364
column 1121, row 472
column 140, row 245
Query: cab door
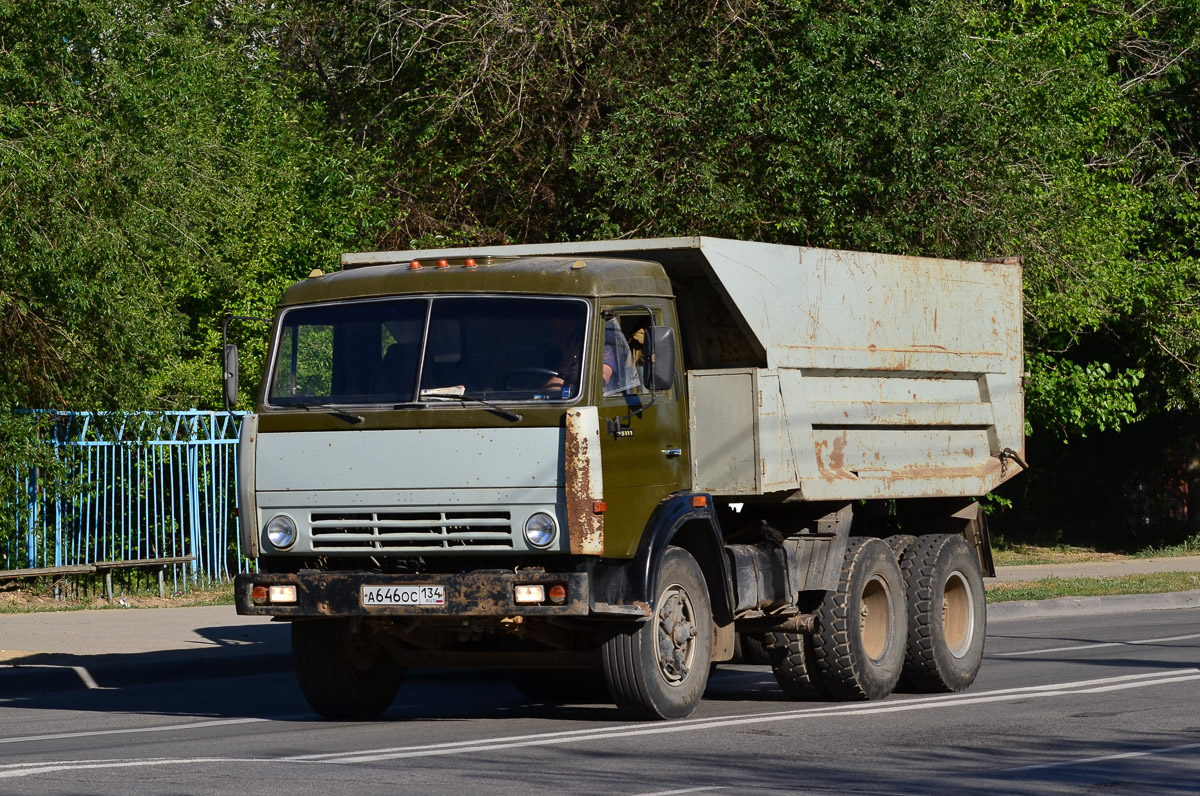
column 643, row 437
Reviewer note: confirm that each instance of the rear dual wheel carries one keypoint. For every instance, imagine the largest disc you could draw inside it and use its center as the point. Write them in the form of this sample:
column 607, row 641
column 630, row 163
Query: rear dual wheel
column 750, row 648
column 861, row 626
column 794, row 664
column 947, row 614
column 857, row 650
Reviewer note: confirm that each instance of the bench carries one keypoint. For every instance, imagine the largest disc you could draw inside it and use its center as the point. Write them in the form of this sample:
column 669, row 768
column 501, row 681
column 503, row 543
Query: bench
column 157, row 563
column 37, row 572
column 106, row 567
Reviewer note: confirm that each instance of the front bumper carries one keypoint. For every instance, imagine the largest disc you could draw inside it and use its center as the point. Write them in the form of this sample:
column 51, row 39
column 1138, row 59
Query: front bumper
column 484, row 594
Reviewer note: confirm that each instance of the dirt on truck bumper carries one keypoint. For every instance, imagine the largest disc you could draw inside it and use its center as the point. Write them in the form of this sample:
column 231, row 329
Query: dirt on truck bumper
column 361, row 593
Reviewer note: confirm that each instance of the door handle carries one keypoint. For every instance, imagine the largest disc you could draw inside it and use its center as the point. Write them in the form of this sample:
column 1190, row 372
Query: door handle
column 673, row 453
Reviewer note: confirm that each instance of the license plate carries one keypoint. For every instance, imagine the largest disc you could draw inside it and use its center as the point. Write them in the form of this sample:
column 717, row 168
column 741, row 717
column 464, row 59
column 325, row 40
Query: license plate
column 403, row 595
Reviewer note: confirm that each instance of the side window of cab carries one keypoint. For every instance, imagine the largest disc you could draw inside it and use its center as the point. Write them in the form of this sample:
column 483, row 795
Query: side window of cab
column 624, row 336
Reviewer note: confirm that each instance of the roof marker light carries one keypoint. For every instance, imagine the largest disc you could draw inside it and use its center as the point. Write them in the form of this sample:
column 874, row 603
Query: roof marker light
column 470, row 263
column 443, row 264
column 415, row 265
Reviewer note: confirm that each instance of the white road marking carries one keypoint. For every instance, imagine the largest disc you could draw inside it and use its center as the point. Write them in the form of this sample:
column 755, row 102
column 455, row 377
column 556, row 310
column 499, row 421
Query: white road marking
column 1049, row 690
column 161, row 728
column 33, row 769
column 684, row 790
column 853, row 708
column 1105, row 758
column 84, row 675
column 1095, row 646
column 688, row 725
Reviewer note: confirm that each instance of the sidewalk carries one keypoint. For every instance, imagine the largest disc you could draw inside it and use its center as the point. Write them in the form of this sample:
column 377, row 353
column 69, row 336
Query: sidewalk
column 1027, row 609
column 113, row 647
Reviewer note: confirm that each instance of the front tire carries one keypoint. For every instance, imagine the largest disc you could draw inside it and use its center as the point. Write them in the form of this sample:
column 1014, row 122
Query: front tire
column 947, row 614
column 862, row 626
column 345, row 675
column 659, row 669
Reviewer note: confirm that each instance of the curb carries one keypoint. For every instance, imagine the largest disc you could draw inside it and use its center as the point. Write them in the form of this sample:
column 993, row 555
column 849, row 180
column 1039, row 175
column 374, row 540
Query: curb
column 1085, row 606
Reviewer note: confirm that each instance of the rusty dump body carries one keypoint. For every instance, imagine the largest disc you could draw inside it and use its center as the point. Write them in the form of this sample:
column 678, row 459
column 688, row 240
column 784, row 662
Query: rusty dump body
column 832, row 375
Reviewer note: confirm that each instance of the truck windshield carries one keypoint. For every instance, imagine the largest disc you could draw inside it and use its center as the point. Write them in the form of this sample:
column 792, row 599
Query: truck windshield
column 430, row 350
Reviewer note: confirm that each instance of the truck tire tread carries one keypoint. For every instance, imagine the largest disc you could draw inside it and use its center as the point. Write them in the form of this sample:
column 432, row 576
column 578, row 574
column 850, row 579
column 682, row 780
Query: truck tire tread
column 794, row 665
column 343, row 677
column 934, row 563
column 631, row 655
column 846, row 668
column 900, row 543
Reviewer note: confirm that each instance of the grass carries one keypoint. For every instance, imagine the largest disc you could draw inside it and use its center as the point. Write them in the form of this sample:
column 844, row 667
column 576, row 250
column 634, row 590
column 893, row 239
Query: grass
column 1023, row 555
column 1049, row 588
column 1008, row 554
column 20, row 599
column 1188, row 547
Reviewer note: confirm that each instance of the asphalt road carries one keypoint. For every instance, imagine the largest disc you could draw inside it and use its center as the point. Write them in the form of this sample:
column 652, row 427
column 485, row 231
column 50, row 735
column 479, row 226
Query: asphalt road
column 1081, row 704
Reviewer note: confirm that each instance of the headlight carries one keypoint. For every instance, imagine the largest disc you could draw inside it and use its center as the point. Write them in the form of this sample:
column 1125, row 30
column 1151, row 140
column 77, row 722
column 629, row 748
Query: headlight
column 540, row 530
column 281, row 530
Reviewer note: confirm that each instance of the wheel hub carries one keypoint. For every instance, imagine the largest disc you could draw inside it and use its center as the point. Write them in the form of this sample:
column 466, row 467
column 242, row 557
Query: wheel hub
column 958, row 614
column 676, row 635
column 873, row 611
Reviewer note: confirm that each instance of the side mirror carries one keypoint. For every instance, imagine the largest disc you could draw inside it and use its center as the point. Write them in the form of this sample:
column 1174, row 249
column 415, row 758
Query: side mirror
column 659, row 358
column 231, row 376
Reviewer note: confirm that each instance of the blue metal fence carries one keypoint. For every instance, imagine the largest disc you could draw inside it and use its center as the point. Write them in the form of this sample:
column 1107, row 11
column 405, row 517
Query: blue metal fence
column 136, row 487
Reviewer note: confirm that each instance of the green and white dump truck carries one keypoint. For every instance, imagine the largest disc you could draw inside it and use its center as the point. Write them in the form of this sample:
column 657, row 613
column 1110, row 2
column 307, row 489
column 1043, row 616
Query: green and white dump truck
column 603, row 460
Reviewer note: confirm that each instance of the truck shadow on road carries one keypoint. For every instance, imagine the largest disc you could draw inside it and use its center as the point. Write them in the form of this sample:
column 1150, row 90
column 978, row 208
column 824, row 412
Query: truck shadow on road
column 249, row 673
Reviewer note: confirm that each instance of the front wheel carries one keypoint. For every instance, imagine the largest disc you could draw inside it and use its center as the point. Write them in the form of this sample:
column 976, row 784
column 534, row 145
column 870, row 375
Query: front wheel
column 344, row 673
column 659, row 668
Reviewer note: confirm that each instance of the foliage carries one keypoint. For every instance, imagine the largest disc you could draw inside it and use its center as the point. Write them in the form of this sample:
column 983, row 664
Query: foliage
column 158, row 177
column 1069, row 399
column 1058, row 130
column 166, row 164
column 158, row 173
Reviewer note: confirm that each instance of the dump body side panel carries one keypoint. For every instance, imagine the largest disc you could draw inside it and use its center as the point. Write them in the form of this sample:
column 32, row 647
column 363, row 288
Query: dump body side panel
column 892, row 377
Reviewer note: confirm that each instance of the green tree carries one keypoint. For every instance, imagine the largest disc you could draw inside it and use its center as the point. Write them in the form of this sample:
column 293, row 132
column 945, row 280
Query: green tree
column 158, row 170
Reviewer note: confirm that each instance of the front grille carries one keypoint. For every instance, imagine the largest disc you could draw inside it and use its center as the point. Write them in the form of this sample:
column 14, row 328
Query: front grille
column 410, row 531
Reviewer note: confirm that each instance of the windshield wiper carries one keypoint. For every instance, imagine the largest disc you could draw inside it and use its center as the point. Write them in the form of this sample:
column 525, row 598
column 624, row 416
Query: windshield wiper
column 464, row 398
column 341, row 414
